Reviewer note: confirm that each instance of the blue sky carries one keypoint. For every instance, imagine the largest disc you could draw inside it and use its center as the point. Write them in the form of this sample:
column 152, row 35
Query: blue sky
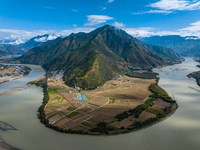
column 23, row 19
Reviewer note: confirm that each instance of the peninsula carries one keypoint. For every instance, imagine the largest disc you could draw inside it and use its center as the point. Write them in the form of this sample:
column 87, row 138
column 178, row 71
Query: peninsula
column 121, row 105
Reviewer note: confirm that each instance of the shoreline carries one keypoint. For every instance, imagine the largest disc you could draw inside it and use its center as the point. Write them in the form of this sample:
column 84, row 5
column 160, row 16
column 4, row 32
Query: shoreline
column 5, row 146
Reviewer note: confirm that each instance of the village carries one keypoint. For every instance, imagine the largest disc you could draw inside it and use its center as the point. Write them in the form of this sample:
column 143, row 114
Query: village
column 10, row 72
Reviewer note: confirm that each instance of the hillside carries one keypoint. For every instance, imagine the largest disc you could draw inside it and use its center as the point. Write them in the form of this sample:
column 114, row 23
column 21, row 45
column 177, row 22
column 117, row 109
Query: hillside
column 7, row 49
column 92, row 59
column 186, row 46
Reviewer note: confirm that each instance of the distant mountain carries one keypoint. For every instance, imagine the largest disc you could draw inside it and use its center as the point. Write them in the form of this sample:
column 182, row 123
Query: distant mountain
column 89, row 60
column 37, row 41
column 7, row 49
column 186, row 46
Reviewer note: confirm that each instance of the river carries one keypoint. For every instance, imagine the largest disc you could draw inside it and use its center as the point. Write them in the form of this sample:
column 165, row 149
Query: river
column 181, row 131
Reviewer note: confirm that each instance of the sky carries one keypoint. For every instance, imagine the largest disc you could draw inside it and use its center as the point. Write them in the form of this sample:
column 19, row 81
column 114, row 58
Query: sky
column 21, row 20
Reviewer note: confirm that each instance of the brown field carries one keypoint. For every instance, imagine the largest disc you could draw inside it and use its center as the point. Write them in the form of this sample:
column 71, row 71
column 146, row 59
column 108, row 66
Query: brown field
column 10, row 70
column 105, row 102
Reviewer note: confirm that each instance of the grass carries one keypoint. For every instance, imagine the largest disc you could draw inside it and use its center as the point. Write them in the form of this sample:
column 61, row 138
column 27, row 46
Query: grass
column 112, row 98
column 154, row 111
column 88, row 124
column 59, row 88
column 50, row 91
column 94, row 104
column 60, row 113
column 53, row 99
column 73, row 114
column 115, row 119
column 74, row 108
column 88, row 97
column 62, row 100
column 59, row 99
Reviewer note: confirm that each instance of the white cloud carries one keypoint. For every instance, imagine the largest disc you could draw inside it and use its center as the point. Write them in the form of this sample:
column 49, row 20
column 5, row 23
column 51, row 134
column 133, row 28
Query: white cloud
column 159, row 11
column 103, row 8
column 74, row 25
column 97, row 19
column 173, row 5
column 42, row 39
column 110, row 1
column 20, row 36
column 52, row 37
column 192, row 30
column 74, row 10
column 48, row 7
column 118, row 24
column 194, row 27
column 169, row 6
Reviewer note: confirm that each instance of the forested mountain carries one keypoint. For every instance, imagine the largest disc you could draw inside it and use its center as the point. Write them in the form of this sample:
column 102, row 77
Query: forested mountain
column 7, row 49
column 91, row 59
column 186, row 46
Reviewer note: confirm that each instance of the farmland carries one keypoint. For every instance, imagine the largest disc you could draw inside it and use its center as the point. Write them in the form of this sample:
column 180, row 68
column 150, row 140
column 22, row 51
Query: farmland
column 106, row 103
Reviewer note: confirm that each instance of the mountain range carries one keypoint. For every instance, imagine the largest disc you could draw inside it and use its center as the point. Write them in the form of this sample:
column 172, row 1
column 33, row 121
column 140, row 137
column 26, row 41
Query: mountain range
column 37, row 41
column 8, row 49
column 185, row 46
column 90, row 59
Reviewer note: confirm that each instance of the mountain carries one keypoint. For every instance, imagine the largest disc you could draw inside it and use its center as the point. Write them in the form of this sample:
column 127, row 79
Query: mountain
column 89, row 60
column 7, row 49
column 37, row 41
column 186, row 46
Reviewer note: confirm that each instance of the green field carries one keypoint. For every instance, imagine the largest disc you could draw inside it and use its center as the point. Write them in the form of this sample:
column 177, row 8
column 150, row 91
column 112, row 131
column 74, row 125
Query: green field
column 50, row 91
column 73, row 114
column 115, row 119
column 94, row 104
column 88, row 124
column 154, row 111
column 73, row 109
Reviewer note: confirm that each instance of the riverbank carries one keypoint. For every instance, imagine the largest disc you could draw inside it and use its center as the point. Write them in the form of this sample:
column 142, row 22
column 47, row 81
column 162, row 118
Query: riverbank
column 5, row 146
column 12, row 72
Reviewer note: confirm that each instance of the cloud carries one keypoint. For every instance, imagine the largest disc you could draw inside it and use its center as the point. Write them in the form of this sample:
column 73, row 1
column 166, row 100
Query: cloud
column 13, row 36
column 194, row 27
column 42, row 39
column 192, row 30
column 48, row 7
column 97, row 19
column 110, row 1
column 103, row 8
column 173, row 5
column 46, row 38
column 74, row 25
column 74, row 10
column 153, row 12
column 169, row 6
column 118, row 24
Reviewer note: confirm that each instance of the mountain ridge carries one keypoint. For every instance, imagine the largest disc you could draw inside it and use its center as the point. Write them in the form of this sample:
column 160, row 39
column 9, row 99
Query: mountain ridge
column 88, row 58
